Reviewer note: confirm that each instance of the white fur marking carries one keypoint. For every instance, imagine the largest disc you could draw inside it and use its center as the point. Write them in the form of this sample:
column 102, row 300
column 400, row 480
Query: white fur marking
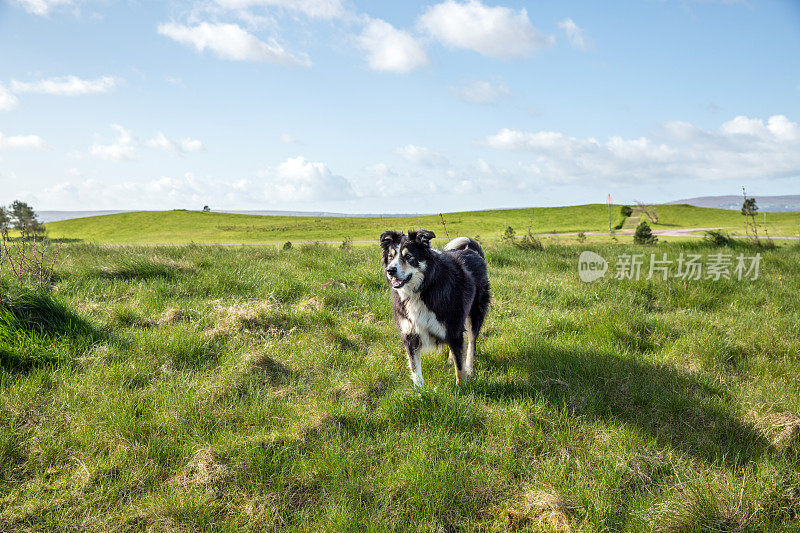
column 416, row 377
column 421, row 321
column 470, row 352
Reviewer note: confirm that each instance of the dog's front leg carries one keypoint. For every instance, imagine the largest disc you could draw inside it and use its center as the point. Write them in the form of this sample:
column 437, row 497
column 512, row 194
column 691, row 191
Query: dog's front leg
column 413, row 348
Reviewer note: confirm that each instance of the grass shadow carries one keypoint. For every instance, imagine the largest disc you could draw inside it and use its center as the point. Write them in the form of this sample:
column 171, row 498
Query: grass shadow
column 676, row 408
column 141, row 268
column 37, row 330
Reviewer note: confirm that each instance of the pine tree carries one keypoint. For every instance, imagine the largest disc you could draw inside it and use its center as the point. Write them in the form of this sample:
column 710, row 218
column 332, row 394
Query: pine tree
column 5, row 219
column 644, row 235
column 25, row 220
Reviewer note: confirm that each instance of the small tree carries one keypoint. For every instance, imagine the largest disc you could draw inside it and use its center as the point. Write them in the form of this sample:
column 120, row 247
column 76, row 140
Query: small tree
column 648, row 210
column 749, row 210
column 509, row 236
column 644, row 234
column 206, row 209
column 25, row 220
column 5, row 219
column 626, row 210
column 749, row 207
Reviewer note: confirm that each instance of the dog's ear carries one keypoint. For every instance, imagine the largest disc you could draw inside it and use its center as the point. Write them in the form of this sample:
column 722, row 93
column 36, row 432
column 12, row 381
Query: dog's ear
column 422, row 236
column 390, row 237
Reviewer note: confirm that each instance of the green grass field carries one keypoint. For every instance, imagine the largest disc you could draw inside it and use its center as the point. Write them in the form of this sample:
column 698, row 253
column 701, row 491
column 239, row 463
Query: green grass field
column 229, row 389
column 184, row 227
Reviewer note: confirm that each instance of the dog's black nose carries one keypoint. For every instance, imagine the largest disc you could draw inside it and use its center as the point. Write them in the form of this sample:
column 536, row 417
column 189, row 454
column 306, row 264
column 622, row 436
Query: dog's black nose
column 391, row 270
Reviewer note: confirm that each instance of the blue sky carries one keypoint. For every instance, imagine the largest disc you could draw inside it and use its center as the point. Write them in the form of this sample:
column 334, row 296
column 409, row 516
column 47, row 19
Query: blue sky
column 395, row 106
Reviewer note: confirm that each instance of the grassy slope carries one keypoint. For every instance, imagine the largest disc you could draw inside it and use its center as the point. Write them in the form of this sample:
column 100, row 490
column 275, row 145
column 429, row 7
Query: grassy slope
column 229, row 389
column 687, row 216
column 170, row 227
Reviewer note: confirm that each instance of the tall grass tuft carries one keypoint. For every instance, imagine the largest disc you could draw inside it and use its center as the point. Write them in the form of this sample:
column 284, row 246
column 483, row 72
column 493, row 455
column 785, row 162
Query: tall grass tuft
column 131, row 267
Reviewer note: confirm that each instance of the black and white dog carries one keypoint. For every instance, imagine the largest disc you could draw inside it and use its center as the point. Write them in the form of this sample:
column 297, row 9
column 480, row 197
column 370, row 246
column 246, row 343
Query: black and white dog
column 437, row 294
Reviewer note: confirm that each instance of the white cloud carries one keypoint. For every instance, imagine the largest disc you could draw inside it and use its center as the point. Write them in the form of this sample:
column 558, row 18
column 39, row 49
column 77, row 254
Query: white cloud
column 21, row 141
column 389, row 49
column 479, row 92
column 742, row 148
column 298, row 180
column 179, row 146
column 324, row 9
column 287, row 138
column 498, row 32
column 8, row 101
column 290, row 185
column 41, row 7
column 65, row 86
column 575, row 34
column 123, row 149
column 381, row 169
column 420, row 155
column 165, row 192
column 232, row 42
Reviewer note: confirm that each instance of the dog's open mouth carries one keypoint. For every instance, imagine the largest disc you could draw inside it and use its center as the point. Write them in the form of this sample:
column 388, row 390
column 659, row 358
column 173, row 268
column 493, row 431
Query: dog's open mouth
column 397, row 282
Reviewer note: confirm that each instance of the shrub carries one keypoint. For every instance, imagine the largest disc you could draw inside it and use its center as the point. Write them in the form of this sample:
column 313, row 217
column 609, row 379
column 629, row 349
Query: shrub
column 626, row 210
column 347, row 244
column 529, row 242
column 509, row 236
column 581, row 237
column 28, row 261
column 644, row 235
column 718, row 238
column 287, row 245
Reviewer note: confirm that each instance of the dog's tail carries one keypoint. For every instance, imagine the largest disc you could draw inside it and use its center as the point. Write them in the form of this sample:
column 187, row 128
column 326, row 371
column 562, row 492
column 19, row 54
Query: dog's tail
column 465, row 243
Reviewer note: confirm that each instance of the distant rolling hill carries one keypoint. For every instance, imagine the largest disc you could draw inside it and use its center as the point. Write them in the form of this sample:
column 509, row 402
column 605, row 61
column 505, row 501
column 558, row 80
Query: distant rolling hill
column 55, row 216
column 181, row 227
column 771, row 204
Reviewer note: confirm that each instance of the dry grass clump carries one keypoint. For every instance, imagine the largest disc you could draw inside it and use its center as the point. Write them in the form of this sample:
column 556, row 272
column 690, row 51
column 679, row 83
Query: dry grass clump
column 98, row 352
column 541, row 510
column 175, row 315
column 249, row 315
column 782, row 429
column 205, row 469
column 700, row 509
column 311, row 304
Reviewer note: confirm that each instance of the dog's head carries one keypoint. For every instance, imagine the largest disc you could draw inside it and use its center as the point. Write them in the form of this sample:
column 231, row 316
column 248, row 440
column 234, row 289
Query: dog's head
column 406, row 258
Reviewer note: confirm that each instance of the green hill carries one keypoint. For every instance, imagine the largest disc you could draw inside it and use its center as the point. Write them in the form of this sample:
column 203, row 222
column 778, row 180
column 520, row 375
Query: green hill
column 176, row 227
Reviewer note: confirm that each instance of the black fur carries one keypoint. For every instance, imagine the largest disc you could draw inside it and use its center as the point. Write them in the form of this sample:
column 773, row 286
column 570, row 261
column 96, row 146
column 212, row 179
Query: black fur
column 455, row 287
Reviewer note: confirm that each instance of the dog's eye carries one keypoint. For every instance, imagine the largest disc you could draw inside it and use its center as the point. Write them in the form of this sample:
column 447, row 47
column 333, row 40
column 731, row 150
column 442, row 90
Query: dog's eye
column 407, row 257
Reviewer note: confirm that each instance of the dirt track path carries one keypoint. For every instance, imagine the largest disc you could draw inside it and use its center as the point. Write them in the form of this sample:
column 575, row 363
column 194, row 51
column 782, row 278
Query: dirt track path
column 678, row 232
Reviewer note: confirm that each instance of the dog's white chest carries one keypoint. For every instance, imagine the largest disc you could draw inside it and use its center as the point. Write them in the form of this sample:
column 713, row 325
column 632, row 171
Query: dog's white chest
column 422, row 321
